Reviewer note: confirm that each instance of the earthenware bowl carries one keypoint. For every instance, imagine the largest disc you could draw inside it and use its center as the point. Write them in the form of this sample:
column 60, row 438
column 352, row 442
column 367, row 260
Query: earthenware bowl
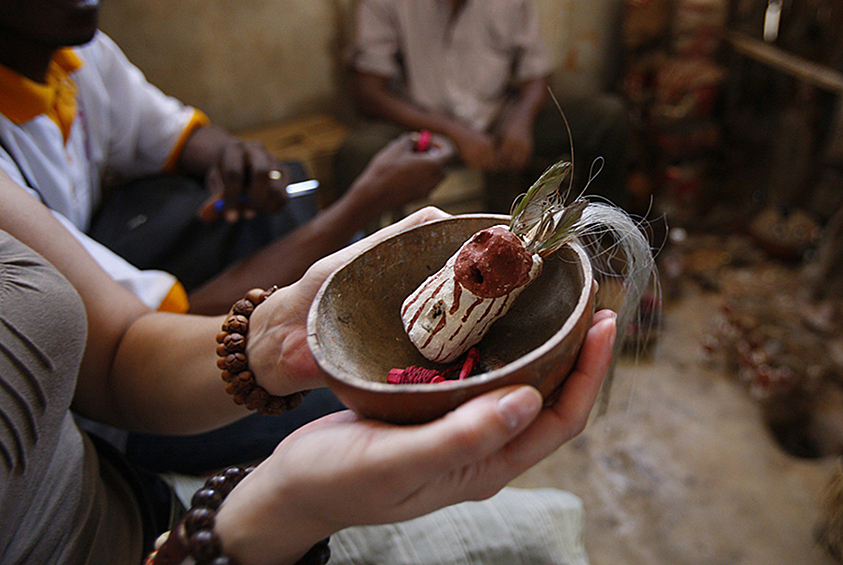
column 356, row 335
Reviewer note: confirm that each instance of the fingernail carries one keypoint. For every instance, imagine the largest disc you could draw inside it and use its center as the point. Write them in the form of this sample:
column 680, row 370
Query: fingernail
column 520, row 406
column 613, row 319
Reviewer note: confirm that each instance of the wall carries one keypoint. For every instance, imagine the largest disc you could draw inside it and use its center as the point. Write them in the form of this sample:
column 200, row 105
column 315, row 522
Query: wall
column 247, row 63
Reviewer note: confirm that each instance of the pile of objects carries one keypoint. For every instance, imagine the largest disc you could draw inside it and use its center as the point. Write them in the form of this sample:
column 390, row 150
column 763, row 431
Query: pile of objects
column 771, row 334
column 775, row 335
column 672, row 82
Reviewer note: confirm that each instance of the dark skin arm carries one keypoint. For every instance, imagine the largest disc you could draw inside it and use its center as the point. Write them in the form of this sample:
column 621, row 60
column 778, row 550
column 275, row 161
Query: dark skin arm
column 396, row 175
column 375, row 99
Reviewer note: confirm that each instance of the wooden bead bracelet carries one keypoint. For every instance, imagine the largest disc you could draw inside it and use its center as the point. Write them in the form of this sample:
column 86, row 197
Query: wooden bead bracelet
column 231, row 348
column 194, row 535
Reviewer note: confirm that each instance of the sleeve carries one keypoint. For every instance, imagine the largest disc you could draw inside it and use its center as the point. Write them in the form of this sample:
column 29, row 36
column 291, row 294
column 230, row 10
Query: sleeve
column 375, row 46
column 148, row 128
column 532, row 60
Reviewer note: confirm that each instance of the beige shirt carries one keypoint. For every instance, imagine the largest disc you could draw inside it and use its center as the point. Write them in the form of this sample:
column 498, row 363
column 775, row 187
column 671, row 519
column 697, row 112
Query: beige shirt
column 457, row 65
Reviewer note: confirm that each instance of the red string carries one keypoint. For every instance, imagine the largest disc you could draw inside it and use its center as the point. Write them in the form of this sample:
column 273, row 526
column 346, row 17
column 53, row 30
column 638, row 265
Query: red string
column 419, row 375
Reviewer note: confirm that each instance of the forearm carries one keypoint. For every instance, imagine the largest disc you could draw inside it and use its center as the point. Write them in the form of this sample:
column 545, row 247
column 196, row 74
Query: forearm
column 201, row 150
column 532, row 96
column 285, row 260
column 164, row 378
column 376, row 100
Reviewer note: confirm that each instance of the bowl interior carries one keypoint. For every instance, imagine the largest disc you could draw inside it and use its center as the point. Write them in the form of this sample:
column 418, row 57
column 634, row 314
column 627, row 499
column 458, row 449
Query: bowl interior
column 356, row 334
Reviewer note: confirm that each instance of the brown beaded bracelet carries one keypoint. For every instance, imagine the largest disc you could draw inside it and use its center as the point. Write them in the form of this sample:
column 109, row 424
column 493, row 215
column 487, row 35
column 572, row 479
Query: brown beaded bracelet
column 240, row 381
column 194, row 535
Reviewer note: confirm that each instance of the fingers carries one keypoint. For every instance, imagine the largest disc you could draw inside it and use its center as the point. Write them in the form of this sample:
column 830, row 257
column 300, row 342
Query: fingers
column 581, row 388
column 568, row 415
column 246, row 179
column 478, row 431
column 515, row 157
column 210, row 210
column 441, row 149
column 230, row 173
column 319, row 271
column 426, row 214
column 477, row 150
column 502, row 433
column 264, row 181
column 601, row 315
column 514, row 153
column 472, row 432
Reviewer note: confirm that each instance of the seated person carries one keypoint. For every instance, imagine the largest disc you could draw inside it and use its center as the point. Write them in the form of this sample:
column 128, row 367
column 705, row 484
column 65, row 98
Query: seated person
column 476, row 72
column 73, row 109
column 73, row 338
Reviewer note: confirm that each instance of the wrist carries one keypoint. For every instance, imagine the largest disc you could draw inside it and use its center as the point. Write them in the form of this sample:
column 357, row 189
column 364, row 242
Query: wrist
column 257, row 527
column 205, row 535
column 277, row 349
column 237, row 372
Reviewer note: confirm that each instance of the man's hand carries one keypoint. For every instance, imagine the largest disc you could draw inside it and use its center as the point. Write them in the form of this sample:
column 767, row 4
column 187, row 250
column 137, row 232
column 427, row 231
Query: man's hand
column 398, row 174
column 515, row 145
column 242, row 177
column 245, row 180
column 477, row 150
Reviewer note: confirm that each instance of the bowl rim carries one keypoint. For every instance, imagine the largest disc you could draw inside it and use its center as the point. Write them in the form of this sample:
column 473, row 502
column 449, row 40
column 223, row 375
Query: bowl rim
column 381, row 387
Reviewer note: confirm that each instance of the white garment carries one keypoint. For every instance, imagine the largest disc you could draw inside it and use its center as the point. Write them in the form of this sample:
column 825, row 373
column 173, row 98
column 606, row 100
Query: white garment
column 514, row 527
column 123, row 123
column 459, row 66
column 517, row 526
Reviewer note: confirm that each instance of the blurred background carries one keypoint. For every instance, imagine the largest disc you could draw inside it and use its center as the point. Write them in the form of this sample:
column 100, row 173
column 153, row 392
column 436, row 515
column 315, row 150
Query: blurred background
column 722, row 440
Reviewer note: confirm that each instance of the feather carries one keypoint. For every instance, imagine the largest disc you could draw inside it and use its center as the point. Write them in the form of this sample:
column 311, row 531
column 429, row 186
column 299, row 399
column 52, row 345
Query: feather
column 529, row 209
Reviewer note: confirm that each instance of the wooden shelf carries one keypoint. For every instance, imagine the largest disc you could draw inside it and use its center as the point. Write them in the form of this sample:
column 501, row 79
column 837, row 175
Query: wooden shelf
column 793, row 65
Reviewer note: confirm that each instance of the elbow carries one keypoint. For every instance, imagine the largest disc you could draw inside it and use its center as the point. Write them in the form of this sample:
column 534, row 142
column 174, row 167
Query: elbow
column 365, row 103
column 368, row 96
column 368, row 108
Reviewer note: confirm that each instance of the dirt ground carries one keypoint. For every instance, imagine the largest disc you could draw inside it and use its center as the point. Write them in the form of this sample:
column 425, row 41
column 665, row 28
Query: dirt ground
column 682, row 469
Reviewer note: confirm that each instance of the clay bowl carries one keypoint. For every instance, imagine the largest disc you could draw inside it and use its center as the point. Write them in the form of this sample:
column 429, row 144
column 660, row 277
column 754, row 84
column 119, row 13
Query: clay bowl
column 356, row 336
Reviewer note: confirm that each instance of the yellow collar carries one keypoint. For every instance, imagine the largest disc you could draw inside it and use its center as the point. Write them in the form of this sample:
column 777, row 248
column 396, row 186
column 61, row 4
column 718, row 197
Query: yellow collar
column 22, row 99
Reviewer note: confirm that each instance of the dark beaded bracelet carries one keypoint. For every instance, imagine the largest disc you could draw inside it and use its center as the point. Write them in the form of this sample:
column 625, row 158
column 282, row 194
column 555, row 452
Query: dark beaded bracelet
column 240, row 381
column 194, row 535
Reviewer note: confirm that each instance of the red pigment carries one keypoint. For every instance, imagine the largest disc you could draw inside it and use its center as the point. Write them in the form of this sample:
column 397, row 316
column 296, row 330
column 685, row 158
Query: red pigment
column 420, row 375
column 493, row 263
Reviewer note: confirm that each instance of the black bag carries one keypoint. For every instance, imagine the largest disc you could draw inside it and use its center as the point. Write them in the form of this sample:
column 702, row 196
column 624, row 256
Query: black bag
column 152, row 223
